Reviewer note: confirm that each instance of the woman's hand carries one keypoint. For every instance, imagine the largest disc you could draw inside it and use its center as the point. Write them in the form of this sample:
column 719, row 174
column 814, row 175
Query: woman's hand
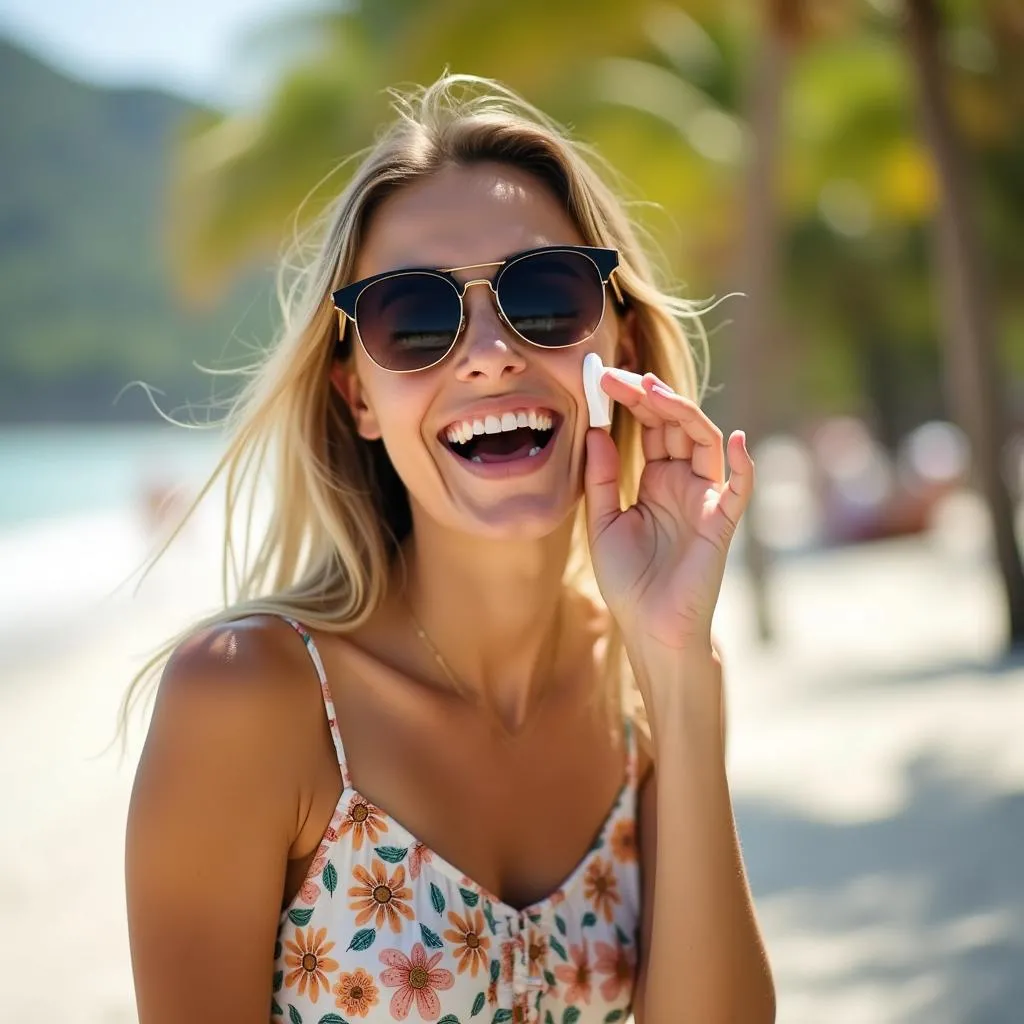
column 660, row 563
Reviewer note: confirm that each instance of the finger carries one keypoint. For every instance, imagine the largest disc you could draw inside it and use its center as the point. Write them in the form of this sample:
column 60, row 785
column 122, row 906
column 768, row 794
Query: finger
column 601, row 482
column 678, row 441
column 735, row 498
column 708, row 459
column 634, row 398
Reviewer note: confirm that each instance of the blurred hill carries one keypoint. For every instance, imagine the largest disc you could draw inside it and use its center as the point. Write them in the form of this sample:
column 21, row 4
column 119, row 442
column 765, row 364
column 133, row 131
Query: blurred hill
column 86, row 304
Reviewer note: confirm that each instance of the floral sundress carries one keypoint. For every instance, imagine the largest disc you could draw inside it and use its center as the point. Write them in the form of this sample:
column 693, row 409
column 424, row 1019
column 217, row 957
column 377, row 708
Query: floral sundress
column 383, row 929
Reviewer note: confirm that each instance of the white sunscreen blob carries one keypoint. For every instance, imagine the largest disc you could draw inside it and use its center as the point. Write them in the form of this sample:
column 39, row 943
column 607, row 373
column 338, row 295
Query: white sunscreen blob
column 598, row 403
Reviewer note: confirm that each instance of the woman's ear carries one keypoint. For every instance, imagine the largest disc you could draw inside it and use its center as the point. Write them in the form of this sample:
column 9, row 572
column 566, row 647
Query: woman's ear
column 626, row 357
column 345, row 381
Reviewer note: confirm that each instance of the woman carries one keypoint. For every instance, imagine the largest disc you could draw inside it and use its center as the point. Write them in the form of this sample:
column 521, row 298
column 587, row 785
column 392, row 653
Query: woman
column 402, row 777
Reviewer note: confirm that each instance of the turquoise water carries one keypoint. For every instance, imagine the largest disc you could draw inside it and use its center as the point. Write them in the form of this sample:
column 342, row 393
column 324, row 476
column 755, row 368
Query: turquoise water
column 52, row 471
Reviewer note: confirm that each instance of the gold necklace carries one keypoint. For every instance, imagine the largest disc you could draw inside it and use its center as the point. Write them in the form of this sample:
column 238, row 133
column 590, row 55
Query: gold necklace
column 469, row 694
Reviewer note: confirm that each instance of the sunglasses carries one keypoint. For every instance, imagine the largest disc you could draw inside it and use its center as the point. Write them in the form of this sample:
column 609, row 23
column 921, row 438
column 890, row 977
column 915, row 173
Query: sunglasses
column 408, row 320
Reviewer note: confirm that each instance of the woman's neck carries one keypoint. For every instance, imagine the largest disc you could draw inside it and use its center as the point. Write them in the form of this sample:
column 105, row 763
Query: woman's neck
column 491, row 610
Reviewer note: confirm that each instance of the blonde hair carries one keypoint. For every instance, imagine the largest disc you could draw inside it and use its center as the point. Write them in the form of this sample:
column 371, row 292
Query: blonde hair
column 341, row 511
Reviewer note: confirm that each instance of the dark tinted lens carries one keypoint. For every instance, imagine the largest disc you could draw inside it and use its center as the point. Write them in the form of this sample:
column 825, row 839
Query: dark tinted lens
column 552, row 299
column 409, row 321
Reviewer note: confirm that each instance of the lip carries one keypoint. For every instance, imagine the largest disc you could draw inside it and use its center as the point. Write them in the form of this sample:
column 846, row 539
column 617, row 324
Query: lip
column 509, row 470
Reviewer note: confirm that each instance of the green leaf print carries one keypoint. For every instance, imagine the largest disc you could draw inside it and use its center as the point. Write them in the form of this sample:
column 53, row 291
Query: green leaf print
column 437, row 898
column 558, row 948
column 431, row 939
column 470, row 898
column 550, row 979
column 363, row 939
column 548, row 1019
column 559, row 924
column 449, row 1018
column 495, row 970
column 275, row 1010
column 614, row 1016
column 332, row 1018
column 489, row 914
column 300, row 917
column 330, row 877
column 622, row 937
column 278, row 980
column 478, row 1004
column 571, row 1015
column 294, row 1015
column 277, row 950
column 589, row 919
column 501, row 1016
column 392, row 854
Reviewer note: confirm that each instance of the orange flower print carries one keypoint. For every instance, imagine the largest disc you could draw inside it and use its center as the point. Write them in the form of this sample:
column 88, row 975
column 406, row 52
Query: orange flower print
column 577, row 975
column 418, row 856
column 508, row 962
column 362, row 819
column 307, row 956
column 356, row 993
column 617, row 963
column 623, row 841
column 601, row 887
column 520, row 1008
column 380, row 897
column 417, row 978
column 538, row 951
column 471, row 944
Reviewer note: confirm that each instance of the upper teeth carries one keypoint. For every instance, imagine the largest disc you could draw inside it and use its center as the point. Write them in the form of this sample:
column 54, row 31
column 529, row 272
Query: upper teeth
column 461, row 431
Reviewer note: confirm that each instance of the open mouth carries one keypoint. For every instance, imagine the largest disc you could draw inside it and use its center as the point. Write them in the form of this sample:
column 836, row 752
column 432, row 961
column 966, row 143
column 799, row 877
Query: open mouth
column 509, row 438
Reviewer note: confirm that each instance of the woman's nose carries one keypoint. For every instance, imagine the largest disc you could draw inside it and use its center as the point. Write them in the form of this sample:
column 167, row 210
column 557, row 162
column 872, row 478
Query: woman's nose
column 487, row 348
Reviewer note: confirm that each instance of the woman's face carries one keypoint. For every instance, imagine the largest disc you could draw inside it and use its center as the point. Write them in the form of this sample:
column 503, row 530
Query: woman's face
column 464, row 216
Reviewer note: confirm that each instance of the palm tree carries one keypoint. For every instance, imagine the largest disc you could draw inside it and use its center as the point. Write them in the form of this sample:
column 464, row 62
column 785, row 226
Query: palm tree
column 972, row 374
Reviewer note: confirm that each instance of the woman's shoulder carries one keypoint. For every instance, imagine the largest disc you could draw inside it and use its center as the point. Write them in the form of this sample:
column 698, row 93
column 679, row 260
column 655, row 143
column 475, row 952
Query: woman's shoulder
column 245, row 676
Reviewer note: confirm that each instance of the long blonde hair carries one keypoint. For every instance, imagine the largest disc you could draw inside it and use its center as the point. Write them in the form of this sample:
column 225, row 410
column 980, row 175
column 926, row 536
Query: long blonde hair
column 340, row 511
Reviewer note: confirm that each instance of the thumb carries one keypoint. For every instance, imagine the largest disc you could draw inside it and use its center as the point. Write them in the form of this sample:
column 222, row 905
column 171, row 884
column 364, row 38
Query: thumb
column 601, row 482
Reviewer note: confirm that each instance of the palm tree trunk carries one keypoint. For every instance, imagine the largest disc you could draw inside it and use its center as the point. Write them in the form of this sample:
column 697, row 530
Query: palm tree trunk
column 758, row 278
column 971, row 363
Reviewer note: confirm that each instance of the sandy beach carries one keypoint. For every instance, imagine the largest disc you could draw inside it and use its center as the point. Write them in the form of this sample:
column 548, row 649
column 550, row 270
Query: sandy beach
column 874, row 754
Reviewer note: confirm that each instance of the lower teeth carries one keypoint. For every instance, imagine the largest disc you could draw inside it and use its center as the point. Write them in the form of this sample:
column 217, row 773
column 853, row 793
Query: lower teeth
column 533, row 451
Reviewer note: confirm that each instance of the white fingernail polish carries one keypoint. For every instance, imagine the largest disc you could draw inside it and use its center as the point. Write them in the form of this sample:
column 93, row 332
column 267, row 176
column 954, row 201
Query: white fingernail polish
column 598, row 403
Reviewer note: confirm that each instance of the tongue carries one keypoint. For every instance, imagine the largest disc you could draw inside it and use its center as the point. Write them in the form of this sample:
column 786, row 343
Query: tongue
column 503, row 447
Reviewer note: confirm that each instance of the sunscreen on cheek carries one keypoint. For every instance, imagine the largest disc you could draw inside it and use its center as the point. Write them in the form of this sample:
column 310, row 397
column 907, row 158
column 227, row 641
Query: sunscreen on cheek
column 599, row 404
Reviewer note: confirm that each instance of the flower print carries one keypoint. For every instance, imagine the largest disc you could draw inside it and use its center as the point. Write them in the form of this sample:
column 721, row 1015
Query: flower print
column 362, row 819
column 520, row 1008
column 417, row 978
column 380, row 897
column 538, row 952
column 577, row 974
column 310, row 891
column 471, row 945
column 617, row 962
column 307, row 956
column 356, row 993
column 601, row 887
column 623, row 841
column 418, row 856
column 508, row 962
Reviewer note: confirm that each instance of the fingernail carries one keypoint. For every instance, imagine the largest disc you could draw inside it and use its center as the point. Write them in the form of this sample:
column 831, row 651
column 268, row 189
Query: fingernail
column 663, row 391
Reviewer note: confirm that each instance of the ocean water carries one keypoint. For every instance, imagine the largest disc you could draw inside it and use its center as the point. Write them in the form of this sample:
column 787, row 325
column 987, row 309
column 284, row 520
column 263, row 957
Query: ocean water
column 75, row 513
column 57, row 472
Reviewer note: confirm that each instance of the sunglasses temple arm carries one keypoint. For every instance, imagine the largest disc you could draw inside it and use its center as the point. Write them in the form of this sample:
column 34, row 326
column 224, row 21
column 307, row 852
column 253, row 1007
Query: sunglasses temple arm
column 612, row 280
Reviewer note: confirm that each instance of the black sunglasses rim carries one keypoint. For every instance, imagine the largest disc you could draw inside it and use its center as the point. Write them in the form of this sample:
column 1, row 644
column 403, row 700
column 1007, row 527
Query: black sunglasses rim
column 606, row 261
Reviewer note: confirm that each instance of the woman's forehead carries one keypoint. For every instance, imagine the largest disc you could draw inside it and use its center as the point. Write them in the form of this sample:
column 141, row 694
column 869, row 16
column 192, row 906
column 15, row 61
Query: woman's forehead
column 464, row 216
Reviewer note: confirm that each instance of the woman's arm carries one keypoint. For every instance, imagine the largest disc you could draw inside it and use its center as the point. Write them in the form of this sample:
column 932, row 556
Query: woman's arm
column 702, row 958
column 213, row 814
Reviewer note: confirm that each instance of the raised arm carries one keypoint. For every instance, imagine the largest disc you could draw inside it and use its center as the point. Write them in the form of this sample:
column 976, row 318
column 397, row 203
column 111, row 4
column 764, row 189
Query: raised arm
column 213, row 814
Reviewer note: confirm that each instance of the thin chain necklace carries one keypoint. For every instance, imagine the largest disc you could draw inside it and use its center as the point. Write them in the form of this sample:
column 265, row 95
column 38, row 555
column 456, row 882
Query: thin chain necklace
column 467, row 693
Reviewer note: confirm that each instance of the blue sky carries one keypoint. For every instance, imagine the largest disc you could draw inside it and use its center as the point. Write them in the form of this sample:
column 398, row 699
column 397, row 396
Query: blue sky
column 188, row 46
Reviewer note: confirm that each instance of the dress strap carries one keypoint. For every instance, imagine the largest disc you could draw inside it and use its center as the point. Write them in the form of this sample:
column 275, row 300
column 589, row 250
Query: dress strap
column 325, row 692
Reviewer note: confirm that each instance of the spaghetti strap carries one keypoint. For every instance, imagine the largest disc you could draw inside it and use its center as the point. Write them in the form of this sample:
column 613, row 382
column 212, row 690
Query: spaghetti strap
column 325, row 692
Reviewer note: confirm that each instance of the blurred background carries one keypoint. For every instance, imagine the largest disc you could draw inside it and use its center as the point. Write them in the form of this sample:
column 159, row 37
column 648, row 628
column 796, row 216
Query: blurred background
column 854, row 167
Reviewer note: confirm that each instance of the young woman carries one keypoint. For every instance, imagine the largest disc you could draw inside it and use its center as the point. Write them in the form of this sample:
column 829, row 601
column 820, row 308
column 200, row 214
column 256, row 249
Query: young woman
column 402, row 776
